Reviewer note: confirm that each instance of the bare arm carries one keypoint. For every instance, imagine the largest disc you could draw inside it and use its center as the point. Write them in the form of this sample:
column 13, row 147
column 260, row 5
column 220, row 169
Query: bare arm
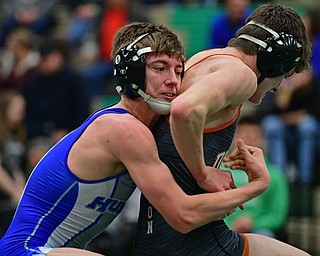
column 188, row 116
column 198, row 106
column 183, row 212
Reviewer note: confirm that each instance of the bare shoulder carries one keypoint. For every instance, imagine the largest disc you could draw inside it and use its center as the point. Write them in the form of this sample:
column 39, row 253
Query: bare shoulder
column 118, row 125
column 237, row 67
column 238, row 75
column 106, row 143
column 113, row 129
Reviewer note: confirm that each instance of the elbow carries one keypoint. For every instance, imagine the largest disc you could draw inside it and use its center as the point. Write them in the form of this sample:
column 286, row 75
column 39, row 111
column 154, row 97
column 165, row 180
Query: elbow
column 185, row 110
column 183, row 223
column 183, row 228
column 179, row 109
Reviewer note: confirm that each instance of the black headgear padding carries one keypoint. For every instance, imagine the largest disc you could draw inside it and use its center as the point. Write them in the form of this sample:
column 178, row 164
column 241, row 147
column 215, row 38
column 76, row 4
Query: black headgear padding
column 278, row 54
column 130, row 69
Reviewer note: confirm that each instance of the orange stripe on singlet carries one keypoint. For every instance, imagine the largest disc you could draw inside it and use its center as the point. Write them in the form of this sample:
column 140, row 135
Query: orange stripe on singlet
column 214, row 129
column 212, row 55
column 245, row 251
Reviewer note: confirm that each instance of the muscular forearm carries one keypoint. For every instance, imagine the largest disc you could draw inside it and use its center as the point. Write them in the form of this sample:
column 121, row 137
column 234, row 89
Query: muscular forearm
column 208, row 207
column 187, row 212
column 187, row 133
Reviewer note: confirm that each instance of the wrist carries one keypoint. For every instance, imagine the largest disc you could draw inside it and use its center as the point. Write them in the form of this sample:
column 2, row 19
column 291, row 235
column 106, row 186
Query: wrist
column 201, row 177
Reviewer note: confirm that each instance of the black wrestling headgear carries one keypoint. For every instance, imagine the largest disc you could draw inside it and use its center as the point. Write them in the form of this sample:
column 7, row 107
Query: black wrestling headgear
column 278, row 54
column 130, row 74
column 130, row 69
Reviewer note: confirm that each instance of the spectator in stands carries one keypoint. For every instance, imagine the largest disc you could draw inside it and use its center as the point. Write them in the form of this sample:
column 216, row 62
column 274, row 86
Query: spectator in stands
column 290, row 127
column 312, row 23
column 18, row 59
column 56, row 96
column 84, row 18
column 267, row 213
column 225, row 26
column 12, row 150
column 38, row 15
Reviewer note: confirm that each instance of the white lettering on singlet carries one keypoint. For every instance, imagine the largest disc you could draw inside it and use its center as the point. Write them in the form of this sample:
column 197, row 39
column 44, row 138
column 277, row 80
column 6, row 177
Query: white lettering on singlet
column 149, row 229
column 150, row 221
column 218, row 160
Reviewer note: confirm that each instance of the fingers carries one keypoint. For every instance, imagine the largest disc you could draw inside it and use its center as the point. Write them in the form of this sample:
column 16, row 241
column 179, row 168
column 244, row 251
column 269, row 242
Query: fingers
column 234, row 155
column 238, row 167
column 242, row 147
column 242, row 152
column 238, row 164
column 238, row 152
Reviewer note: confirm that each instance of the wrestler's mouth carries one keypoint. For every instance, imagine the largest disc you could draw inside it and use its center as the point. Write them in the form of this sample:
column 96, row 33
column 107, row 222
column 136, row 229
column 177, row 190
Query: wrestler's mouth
column 169, row 96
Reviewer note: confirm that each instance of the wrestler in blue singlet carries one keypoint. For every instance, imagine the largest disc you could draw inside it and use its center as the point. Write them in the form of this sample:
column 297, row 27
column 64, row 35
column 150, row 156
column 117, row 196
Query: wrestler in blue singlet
column 61, row 210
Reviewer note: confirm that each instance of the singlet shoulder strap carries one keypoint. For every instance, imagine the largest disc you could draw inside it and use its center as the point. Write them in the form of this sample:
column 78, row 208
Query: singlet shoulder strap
column 215, row 129
column 105, row 110
column 213, row 55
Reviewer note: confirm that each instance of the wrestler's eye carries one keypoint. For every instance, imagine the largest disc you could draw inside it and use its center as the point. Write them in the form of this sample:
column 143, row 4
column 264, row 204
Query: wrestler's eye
column 160, row 69
column 178, row 72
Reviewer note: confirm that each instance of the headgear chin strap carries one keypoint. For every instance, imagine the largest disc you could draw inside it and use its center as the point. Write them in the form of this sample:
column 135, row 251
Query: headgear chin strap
column 278, row 54
column 159, row 106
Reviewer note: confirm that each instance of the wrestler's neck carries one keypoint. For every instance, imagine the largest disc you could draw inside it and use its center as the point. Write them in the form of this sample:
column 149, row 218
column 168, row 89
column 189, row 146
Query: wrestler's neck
column 140, row 110
column 249, row 60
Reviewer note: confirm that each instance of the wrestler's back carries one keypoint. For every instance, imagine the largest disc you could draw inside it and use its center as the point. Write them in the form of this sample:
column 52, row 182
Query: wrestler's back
column 58, row 209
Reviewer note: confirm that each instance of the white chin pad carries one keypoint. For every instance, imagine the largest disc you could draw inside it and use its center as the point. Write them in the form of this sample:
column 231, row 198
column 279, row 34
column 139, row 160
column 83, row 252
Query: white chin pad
column 160, row 106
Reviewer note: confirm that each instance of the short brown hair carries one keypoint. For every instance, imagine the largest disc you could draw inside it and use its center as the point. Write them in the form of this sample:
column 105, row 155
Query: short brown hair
column 161, row 39
column 280, row 19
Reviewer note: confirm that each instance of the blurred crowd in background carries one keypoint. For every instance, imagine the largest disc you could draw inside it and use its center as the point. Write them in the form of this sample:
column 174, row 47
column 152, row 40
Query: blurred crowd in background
column 55, row 69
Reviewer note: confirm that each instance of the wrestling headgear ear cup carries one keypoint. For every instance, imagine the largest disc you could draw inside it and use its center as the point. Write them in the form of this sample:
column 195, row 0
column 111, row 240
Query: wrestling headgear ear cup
column 285, row 54
column 130, row 69
column 278, row 54
column 130, row 73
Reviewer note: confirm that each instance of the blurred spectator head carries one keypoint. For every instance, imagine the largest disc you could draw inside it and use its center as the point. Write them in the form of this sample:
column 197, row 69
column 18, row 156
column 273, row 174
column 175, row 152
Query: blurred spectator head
column 236, row 9
column 249, row 131
column 312, row 22
column 20, row 39
column 54, row 54
column 37, row 147
column 12, row 114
